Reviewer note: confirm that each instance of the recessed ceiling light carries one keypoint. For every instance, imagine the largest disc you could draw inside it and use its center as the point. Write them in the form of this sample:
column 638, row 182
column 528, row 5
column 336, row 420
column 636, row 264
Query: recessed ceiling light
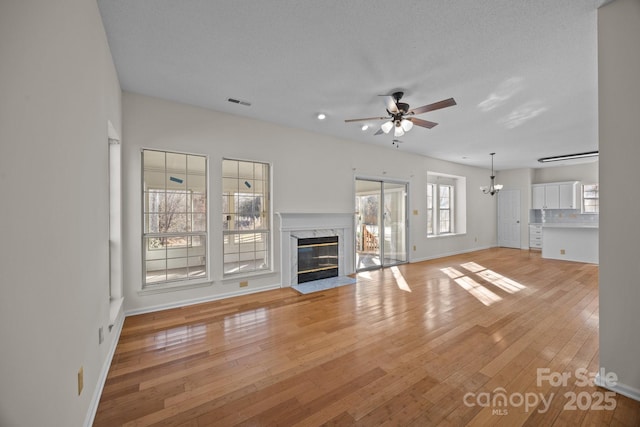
column 365, row 127
column 322, row 116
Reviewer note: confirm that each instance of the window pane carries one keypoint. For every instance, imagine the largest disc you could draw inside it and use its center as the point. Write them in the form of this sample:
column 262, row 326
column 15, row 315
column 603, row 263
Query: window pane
column 156, row 271
column 199, row 222
column 176, row 242
column 444, row 197
column 152, row 223
column 196, row 165
column 245, row 170
column 171, row 211
column 154, row 180
column 245, row 207
column 154, row 160
column 444, row 221
column 175, row 223
column 199, row 203
column 176, row 163
column 196, row 183
column 590, row 198
column 176, row 181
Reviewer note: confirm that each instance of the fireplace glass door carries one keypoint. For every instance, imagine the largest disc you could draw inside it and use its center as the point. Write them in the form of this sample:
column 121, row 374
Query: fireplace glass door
column 381, row 218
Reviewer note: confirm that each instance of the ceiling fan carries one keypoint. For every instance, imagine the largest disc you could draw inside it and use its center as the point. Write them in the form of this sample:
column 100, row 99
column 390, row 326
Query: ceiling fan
column 401, row 118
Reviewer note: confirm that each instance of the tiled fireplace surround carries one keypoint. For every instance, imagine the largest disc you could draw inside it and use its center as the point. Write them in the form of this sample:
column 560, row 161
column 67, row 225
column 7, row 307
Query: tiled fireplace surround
column 294, row 226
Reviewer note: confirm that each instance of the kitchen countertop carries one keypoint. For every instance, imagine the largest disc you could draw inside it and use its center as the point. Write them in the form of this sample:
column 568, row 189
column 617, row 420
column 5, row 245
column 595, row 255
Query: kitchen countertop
column 569, row 225
column 565, row 224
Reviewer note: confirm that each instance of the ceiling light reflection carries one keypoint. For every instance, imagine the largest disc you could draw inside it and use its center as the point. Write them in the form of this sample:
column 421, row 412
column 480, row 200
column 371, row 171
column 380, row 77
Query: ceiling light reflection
column 502, row 94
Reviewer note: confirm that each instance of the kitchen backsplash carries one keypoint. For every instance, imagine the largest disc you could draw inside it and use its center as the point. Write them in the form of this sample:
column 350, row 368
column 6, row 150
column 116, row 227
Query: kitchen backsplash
column 562, row 215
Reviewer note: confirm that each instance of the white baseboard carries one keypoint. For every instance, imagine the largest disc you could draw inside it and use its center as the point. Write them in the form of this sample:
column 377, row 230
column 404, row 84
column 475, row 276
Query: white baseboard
column 209, row 298
column 446, row 254
column 623, row 389
column 97, row 392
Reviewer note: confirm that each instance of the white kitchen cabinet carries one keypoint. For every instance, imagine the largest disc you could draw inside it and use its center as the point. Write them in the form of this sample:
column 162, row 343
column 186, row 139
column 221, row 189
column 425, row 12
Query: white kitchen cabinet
column 555, row 195
column 537, row 197
column 567, row 195
column 545, row 196
column 535, row 236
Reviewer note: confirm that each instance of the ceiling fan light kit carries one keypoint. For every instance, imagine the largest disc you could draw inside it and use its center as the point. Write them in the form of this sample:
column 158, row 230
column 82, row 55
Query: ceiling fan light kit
column 400, row 117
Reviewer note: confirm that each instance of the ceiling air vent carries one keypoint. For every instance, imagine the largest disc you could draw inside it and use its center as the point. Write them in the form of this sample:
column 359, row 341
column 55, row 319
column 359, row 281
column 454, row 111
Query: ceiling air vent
column 237, row 101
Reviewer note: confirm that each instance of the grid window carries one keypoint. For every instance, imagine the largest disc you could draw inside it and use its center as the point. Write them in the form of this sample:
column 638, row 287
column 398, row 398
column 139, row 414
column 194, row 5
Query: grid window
column 175, row 217
column 590, row 198
column 246, row 216
column 430, row 192
column 445, row 193
column 440, row 209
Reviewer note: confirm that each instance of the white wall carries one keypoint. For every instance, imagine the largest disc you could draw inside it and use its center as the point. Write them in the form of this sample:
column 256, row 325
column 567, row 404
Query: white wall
column 59, row 88
column 619, row 110
column 586, row 173
column 311, row 173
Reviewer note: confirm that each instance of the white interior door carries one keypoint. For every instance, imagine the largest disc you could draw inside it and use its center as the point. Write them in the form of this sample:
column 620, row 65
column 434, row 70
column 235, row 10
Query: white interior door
column 509, row 218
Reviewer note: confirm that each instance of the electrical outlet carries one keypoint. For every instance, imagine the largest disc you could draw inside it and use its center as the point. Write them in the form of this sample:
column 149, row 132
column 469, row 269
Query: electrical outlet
column 244, row 284
column 100, row 335
column 414, row 247
column 415, row 211
column 561, row 251
column 80, row 380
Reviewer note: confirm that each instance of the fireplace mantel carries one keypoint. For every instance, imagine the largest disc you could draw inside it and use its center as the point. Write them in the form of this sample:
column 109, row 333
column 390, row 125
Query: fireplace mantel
column 304, row 225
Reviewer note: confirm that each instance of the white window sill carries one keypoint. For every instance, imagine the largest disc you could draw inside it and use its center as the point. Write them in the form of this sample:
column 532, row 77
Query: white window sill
column 240, row 276
column 174, row 286
column 115, row 306
column 444, row 235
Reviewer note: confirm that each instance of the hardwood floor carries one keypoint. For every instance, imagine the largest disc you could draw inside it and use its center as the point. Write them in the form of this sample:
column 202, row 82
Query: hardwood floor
column 440, row 342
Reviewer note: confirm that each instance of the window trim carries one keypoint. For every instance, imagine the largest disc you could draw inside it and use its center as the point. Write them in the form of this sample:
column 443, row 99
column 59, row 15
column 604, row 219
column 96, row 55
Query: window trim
column 457, row 207
column 269, row 269
column 450, row 209
column 583, row 198
column 435, row 209
column 182, row 283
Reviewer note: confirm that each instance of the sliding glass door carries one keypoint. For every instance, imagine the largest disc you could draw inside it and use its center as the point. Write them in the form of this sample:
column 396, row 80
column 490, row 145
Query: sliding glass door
column 381, row 223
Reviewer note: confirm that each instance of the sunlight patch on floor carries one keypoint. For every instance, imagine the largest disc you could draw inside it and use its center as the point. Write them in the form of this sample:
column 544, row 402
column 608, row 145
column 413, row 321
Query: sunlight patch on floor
column 400, row 281
column 451, row 272
column 482, row 294
column 472, row 267
column 504, row 283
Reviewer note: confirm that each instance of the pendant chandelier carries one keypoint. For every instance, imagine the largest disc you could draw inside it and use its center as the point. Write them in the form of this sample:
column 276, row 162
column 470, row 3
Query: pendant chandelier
column 493, row 188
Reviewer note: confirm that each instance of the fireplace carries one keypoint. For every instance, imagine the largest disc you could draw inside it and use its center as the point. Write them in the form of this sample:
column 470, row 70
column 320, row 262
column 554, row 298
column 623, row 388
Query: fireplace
column 298, row 226
column 317, row 258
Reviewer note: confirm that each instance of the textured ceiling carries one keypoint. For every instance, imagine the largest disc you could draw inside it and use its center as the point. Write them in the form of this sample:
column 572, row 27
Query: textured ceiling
column 523, row 72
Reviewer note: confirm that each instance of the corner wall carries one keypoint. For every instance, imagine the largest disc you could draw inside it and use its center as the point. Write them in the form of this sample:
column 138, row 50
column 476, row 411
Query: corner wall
column 619, row 110
column 59, row 88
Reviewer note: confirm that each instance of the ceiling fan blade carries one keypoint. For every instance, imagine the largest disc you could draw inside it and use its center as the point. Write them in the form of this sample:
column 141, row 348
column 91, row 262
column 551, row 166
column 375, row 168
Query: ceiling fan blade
column 367, row 118
column 435, row 106
column 390, row 104
column 380, row 132
column 424, row 123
